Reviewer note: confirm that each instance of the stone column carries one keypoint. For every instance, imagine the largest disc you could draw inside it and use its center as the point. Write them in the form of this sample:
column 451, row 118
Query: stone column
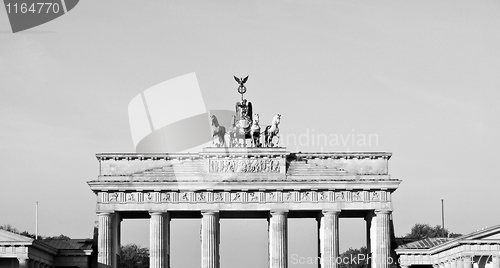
column 460, row 263
column 447, row 264
column 23, row 262
column 278, row 239
column 383, row 250
column 105, row 240
column 467, row 262
column 370, row 223
column 210, row 239
column 454, row 263
column 159, row 232
column 328, row 232
column 116, row 238
column 495, row 260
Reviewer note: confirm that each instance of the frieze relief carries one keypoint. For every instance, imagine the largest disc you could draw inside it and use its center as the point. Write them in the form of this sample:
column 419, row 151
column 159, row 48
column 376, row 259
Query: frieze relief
column 150, row 197
column 244, row 165
column 356, row 196
column 166, row 197
column 324, row 196
column 113, row 197
column 288, row 197
column 131, row 197
column 185, row 197
column 311, row 196
column 340, row 196
column 271, row 197
column 201, row 197
column 219, row 197
column 253, row 197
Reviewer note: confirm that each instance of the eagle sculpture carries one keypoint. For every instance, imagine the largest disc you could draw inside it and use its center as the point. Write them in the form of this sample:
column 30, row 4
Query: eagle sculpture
column 241, row 81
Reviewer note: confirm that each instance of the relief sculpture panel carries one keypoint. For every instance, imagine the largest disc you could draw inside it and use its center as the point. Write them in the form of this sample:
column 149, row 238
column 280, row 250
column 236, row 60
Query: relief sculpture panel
column 244, row 165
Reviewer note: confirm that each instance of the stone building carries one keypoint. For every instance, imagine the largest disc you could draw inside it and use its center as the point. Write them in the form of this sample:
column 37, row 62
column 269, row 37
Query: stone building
column 18, row 251
column 269, row 183
column 480, row 249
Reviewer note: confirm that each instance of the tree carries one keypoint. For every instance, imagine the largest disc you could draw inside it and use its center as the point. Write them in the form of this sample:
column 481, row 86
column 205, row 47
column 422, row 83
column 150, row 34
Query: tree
column 354, row 258
column 134, row 256
column 10, row 228
column 422, row 231
column 59, row 237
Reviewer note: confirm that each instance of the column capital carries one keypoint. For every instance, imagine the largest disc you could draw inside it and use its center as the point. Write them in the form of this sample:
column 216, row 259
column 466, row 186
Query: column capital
column 383, row 211
column 331, row 211
column 209, row 212
column 278, row 212
column 157, row 212
column 104, row 213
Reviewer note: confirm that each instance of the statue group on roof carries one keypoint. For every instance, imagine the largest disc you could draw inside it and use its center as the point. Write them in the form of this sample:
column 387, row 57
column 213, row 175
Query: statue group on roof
column 245, row 125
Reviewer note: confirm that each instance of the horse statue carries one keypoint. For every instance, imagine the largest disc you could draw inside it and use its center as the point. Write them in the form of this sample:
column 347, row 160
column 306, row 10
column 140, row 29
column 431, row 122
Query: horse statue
column 255, row 131
column 218, row 131
column 272, row 131
column 232, row 132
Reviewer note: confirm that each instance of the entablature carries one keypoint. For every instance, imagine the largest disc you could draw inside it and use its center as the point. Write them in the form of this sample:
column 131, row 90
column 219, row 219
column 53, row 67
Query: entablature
column 223, row 163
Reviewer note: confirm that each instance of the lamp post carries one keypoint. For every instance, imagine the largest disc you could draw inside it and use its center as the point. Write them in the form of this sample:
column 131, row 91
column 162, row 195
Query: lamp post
column 442, row 213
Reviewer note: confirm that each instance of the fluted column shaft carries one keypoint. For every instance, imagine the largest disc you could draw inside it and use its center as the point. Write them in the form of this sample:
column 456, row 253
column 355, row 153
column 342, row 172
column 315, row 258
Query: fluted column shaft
column 467, row 262
column 495, row 261
column 116, row 239
column 328, row 225
column 383, row 250
column 105, row 242
column 278, row 239
column 159, row 226
column 210, row 239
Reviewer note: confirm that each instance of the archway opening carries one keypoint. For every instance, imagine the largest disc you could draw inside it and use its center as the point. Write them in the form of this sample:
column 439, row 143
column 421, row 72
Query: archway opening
column 352, row 238
column 185, row 243
column 243, row 243
column 302, row 242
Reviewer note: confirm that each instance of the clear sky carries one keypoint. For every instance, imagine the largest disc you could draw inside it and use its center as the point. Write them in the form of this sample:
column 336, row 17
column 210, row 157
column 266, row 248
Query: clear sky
column 422, row 76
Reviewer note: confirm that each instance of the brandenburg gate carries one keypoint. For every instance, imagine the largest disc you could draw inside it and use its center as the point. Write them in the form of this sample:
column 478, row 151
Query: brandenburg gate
column 270, row 183
column 235, row 181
